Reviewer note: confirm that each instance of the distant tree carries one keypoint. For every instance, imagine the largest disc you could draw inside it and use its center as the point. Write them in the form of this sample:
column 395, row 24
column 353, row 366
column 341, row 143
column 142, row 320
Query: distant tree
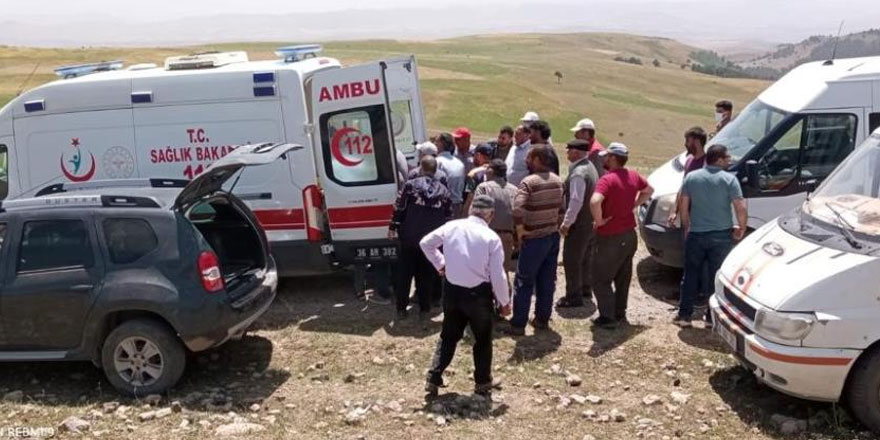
column 684, row 66
column 656, row 62
column 558, row 76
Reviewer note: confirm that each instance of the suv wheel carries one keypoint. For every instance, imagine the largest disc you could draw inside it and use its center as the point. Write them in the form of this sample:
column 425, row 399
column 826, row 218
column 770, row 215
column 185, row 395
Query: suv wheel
column 863, row 390
column 142, row 357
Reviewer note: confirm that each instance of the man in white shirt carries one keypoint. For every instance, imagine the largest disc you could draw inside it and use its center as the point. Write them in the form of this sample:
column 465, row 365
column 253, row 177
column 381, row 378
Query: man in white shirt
column 517, row 170
column 472, row 264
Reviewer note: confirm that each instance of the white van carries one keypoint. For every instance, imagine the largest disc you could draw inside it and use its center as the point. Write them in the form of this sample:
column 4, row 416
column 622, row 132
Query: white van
column 327, row 204
column 783, row 144
column 798, row 301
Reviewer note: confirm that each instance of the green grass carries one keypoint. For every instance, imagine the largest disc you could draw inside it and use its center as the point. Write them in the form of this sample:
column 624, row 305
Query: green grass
column 484, row 82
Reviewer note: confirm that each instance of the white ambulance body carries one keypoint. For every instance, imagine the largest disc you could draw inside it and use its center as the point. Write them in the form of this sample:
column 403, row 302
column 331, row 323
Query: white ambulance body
column 327, row 205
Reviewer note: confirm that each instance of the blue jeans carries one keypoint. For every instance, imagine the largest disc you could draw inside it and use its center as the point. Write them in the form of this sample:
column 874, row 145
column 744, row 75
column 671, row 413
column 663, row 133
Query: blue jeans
column 701, row 248
column 535, row 273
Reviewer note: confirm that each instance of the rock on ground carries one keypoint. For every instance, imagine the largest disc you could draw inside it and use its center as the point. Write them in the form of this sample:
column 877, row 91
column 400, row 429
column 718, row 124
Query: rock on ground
column 238, row 428
column 74, row 424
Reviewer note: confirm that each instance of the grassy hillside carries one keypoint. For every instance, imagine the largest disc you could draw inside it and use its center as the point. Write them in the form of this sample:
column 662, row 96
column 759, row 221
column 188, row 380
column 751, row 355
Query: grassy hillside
column 817, row 48
column 487, row 81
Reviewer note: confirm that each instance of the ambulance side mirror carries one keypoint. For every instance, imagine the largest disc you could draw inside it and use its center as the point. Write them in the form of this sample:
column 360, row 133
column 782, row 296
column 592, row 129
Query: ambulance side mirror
column 752, row 174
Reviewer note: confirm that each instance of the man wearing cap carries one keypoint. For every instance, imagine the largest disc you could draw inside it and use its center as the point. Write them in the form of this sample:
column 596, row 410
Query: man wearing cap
column 585, row 130
column 529, row 117
column 617, row 194
column 577, row 225
column 540, row 135
column 422, row 205
column 482, row 156
column 464, row 150
column 537, row 210
column 472, row 265
column 502, row 193
column 454, row 169
column 517, row 170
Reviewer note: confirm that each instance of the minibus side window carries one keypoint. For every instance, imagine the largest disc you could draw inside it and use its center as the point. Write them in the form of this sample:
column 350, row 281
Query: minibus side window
column 355, row 146
column 4, row 172
column 873, row 122
column 810, row 150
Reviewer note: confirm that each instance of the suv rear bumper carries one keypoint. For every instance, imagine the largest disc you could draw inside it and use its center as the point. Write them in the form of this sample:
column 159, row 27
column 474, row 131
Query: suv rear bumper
column 238, row 317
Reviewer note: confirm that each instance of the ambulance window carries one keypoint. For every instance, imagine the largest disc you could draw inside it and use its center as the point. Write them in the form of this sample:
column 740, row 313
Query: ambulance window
column 4, row 172
column 355, row 146
column 401, row 124
column 874, row 122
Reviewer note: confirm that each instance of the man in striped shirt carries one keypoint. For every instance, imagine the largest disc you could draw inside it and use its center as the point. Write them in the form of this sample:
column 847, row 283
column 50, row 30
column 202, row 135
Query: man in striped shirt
column 537, row 211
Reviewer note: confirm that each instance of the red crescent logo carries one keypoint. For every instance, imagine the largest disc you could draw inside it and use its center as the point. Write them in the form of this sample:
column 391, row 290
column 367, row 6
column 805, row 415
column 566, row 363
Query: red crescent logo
column 337, row 152
column 85, row 177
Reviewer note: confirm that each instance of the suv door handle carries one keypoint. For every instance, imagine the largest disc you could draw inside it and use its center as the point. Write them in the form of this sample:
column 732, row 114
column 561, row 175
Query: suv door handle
column 81, row 287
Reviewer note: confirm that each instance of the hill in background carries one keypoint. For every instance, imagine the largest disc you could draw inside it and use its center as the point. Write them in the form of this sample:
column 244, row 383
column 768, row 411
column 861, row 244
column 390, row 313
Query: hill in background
column 484, row 82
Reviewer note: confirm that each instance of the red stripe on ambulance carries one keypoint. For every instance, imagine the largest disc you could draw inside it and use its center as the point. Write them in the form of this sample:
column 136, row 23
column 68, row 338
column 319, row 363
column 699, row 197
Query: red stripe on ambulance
column 376, row 216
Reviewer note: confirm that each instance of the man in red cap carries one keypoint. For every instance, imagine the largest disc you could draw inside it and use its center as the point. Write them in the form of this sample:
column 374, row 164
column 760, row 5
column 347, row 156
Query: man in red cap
column 464, row 150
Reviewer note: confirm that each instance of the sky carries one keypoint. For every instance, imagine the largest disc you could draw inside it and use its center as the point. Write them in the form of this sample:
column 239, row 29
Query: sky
column 707, row 23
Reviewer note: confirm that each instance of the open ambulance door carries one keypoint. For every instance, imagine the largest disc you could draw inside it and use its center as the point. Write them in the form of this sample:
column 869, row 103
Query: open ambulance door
column 354, row 141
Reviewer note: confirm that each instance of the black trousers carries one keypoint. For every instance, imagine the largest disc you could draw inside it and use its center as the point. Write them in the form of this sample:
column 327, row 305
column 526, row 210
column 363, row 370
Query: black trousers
column 577, row 251
column 464, row 307
column 612, row 272
column 413, row 264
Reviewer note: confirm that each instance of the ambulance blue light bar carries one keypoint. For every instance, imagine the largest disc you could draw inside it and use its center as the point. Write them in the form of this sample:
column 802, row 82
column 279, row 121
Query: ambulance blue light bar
column 299, row 52
column 76, row 70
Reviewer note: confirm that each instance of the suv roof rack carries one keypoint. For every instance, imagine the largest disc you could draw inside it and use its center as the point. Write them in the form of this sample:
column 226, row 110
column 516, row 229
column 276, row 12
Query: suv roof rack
column 115, row 183
column 93, row 201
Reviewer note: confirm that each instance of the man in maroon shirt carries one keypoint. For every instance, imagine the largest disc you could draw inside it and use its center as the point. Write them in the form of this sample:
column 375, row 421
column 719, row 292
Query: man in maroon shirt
column 695, row 144
column 617, row 194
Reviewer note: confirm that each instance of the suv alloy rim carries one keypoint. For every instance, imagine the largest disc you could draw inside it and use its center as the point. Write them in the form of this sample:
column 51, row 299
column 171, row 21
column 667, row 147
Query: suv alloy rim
column 138, row 361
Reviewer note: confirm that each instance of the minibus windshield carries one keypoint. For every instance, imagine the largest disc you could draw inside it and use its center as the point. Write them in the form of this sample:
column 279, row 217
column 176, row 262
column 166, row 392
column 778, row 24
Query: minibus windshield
column 750, row 126
column 852, row 192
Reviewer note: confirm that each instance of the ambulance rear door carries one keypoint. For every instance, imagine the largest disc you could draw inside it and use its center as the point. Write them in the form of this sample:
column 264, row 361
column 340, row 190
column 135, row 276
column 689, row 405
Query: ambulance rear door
column 355, row 153
column 407, row 114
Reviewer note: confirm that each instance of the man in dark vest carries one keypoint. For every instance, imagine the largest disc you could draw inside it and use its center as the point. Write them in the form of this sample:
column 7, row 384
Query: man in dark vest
column 577, row 225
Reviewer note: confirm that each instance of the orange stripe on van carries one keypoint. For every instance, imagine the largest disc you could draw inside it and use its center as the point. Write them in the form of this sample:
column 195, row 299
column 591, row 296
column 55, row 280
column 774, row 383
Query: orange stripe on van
column 803, row 360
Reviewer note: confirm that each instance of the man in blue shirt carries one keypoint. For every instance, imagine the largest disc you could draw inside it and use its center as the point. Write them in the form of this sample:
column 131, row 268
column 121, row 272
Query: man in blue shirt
column 706, row 199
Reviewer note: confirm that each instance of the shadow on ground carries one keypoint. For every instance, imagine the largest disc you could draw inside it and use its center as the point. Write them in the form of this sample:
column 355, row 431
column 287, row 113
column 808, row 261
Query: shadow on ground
column 471, row 407
column 535, row 346
column 584, row 312
column 758, row 405
column 231, row 377
column 659, row 281
column 605, row 340
column 703, row 338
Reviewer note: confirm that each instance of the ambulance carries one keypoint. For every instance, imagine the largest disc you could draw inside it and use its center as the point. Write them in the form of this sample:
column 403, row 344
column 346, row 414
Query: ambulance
column 798, row 301
column 327, row 205
column 783, row 145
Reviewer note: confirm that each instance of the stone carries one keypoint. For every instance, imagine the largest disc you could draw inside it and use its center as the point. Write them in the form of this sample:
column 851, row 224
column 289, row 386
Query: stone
column 153, row 399
column 589, row 414
column 573, row 380
column 594, row 399
column 394, row 406
column 184, row 424
column 164, row 412
column 440, row 420
column 355, row 416
column 238, row 429
column 75, row 425
column 147, row 416
column 14, row 396
column 110, row 407
column 579, row 399
column 255, row 407
column 708, row 364
column 564, row 402
column 617, row 416
column 556, row 369
column 679, row 397
column 176, row 406
column 788, row 425
column 378, row 361
column 651, row 399
column 589, row 437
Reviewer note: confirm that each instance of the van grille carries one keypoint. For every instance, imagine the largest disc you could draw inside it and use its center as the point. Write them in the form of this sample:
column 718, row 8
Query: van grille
column 740, row 304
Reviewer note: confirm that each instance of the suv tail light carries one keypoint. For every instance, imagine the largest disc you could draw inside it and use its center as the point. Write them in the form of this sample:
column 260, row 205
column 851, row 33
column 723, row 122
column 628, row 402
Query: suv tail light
column 209, row 272
column 313, row 205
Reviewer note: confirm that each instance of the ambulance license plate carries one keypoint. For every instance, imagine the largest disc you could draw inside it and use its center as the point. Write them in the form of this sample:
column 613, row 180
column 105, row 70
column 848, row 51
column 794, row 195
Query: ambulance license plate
column 376, row 253
column 727, row 335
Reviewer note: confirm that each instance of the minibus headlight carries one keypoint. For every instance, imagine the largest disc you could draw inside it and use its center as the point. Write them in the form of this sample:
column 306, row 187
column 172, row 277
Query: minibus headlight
column 662, row 207
column 782, row 325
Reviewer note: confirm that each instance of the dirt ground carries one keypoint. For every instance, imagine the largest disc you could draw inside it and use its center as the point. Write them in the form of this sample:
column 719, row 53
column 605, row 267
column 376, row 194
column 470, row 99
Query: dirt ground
column 321, row 364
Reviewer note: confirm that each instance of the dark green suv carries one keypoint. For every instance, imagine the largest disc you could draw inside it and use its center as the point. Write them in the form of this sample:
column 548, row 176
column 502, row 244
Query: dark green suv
column 132, row 274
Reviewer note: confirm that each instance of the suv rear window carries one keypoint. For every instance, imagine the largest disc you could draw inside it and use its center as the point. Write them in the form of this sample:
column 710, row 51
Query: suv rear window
column 54, row 244
column 129, row 239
